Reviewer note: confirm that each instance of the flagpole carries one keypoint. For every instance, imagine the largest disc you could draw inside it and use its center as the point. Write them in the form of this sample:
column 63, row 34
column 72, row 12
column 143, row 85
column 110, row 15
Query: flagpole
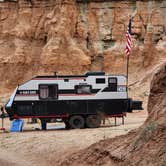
column 127, row 74
column 128, row 50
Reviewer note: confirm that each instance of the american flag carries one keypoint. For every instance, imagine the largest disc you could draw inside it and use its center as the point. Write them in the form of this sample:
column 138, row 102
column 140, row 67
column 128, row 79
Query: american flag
column 128, row 39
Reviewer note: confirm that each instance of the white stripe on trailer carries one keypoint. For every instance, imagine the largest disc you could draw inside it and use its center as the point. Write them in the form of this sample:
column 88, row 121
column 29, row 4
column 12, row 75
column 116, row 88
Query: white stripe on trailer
column 26, row 98
column 103, row 95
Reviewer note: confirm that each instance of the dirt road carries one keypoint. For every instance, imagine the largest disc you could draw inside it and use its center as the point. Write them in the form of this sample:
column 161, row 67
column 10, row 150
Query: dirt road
column 48, row 147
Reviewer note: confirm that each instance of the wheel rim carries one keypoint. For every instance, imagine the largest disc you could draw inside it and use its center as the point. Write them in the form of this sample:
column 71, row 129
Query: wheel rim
column 77, row 122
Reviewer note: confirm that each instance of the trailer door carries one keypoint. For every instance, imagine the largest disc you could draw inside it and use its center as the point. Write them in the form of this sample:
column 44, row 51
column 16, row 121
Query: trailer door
column 48, row 95
column 48, row 91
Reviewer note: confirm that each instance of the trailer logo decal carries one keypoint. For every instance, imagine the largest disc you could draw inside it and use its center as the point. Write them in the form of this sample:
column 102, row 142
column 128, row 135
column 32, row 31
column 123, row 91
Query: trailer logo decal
column 27, row 92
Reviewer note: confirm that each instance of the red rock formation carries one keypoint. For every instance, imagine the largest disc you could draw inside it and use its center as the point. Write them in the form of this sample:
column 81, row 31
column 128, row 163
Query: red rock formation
column 72, row 37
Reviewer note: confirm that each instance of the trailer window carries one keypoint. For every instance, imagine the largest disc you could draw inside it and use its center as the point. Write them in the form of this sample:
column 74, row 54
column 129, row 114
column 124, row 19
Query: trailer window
column 44, row 92
column 112, row 84
column 83, row 89
column 100, row 80
column 48, row 91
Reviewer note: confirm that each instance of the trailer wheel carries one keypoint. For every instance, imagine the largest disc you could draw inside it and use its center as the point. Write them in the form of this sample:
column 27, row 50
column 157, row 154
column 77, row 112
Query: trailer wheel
column 76, row 122
column 67, row 125
column 93, row 121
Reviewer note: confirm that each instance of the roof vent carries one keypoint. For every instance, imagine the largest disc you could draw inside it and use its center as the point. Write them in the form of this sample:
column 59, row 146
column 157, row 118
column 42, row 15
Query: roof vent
column 55, row 73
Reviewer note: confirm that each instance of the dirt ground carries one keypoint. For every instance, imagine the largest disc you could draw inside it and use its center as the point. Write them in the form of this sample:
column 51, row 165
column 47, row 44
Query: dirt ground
column 31, row 146
column 34, row 147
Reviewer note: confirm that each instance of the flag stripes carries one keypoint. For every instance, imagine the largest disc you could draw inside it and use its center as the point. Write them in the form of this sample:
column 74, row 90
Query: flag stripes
column 128, row 39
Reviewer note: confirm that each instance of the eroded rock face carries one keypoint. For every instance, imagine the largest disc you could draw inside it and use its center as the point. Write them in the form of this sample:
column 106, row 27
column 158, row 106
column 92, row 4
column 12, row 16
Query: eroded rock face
column 145, row 146
column 148, row 146
column 70, row 37
column 157, row 98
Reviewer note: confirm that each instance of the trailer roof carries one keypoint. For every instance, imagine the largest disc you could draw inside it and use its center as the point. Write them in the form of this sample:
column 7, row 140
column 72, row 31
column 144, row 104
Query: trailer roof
column 69, row 76
column 60, row 76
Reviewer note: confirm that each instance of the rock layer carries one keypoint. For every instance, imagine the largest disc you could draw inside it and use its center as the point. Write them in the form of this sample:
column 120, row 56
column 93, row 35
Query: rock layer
column 72, row 37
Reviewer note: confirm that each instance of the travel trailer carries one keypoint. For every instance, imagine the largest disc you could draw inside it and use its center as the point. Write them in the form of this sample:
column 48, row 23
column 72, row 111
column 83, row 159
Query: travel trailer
column 79, row 100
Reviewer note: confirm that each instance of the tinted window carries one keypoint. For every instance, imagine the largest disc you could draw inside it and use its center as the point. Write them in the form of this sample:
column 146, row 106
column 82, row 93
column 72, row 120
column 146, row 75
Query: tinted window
column 48, row 91
column 100, row 80
column 112, row 80
column 44, row 92
column 83, row 89
column 66, row 80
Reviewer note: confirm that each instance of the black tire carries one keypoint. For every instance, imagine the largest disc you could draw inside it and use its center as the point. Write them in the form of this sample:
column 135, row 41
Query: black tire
column 76, row 122
column 67, row 125
column 93, row 121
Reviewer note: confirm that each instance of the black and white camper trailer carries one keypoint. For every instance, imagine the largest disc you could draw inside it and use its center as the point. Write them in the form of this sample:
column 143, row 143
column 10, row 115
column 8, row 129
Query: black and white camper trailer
column 78, row 100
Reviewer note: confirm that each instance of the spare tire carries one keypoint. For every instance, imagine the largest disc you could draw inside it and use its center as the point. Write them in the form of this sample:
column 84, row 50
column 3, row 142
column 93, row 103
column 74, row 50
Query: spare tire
column 93, row 121
column 76, row 122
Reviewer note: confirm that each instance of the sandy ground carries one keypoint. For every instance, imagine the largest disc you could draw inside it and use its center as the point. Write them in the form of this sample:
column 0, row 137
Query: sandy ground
column 48, row 148
column 32, row 147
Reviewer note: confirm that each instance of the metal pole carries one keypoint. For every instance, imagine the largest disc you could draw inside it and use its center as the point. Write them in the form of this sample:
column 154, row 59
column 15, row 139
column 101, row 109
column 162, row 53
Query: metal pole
column 115, row 120
column 123, row 119
column 2, row 117
column 2, row 122
column 127, row 74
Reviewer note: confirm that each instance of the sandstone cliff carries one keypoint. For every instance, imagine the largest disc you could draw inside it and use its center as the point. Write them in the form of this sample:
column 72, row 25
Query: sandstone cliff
column 71, row 37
